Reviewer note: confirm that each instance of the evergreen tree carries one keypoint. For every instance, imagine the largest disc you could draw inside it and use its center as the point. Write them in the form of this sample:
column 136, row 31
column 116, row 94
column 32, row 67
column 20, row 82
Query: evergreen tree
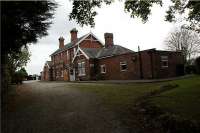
column 22, row 23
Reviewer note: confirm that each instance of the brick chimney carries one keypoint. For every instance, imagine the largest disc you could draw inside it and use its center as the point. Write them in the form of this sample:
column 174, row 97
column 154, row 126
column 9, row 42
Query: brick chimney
column 74, row 35
column 61, row 42
column 108, row 40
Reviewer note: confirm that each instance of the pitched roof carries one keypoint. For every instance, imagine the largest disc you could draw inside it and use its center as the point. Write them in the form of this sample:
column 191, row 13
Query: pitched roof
column 112, row 51
column 105, row 52
column 91, row 52
column 68, row 45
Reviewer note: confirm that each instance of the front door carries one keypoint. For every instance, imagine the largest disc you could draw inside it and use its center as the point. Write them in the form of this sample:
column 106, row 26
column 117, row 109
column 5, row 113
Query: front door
column 72, row 74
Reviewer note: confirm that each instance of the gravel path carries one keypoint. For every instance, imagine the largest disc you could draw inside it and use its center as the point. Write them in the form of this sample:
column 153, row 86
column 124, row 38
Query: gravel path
column 53, row 107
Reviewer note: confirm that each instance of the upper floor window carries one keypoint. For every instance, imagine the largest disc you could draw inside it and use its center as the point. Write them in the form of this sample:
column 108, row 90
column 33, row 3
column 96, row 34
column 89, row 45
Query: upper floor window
column 164, row 61
column 67, row 54
column 81, row 68
column 103, row 68
column 123, row 66
column 74, row 51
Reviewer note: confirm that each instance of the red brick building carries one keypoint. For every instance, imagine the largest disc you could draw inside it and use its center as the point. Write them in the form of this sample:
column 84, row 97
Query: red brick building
column 46, row 74
column 87, row 58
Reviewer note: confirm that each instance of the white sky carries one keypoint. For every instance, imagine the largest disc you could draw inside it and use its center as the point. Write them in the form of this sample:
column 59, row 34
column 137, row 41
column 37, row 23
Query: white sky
column 128, row 32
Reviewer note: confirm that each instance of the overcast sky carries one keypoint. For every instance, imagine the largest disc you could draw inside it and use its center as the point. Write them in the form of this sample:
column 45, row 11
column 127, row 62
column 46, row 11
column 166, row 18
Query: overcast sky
column 128, row 32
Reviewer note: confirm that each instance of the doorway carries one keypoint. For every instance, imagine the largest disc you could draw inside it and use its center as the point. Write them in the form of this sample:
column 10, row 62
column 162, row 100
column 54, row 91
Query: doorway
column 72, row 74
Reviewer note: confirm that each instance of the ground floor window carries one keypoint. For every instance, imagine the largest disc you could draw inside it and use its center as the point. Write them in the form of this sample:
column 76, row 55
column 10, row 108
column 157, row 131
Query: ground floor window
column 57, row 73
column 71, row 71
column 103, row 68
column 81, row 68
column 123, row 66
column 164, row 61
column 61, row 73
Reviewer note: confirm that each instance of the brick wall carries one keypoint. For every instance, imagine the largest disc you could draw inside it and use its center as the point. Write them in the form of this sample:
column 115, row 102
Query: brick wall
column 149, row 63
column 174, row 59
column 90, row 44
column 46, row 74
column 152, row 64
column 61, row 60
column 113, row 70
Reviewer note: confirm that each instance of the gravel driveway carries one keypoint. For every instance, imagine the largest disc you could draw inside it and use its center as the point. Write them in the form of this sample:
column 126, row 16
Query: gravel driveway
column 55, row 107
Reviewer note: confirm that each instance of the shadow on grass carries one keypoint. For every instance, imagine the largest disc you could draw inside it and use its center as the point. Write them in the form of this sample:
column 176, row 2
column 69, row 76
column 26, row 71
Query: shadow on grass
column 147, row 117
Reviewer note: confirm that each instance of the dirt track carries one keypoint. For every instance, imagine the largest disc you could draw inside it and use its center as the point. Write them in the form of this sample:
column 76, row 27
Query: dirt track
column 50, row 107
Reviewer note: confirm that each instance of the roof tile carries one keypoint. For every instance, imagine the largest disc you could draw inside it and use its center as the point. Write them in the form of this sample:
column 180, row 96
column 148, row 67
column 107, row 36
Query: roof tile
column 67, row 46
column 105, row 52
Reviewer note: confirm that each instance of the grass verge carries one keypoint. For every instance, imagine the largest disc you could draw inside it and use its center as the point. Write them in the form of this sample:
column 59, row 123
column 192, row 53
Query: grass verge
column 184, row 100
column 117, row 95
column 171, row 106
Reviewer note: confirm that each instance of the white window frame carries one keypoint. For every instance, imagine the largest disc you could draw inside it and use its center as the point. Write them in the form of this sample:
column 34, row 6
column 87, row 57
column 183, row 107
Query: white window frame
column 164, row 59
column 123, row 63
column 61, row 73
column 67, row 54
column 103, row 67
column 81, row 68
column 91, row 65
column 74, row 51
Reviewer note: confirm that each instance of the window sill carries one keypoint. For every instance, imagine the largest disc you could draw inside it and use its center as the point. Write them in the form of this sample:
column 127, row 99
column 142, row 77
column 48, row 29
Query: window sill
column 80, row 75
column 164, row 66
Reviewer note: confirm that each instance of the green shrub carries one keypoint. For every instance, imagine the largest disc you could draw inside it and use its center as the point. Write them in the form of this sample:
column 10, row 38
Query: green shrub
column 189, row 69
column 19, row 76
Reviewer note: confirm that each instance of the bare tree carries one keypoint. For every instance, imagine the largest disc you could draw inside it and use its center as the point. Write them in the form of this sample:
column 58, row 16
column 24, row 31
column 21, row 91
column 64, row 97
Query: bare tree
column 184, row 40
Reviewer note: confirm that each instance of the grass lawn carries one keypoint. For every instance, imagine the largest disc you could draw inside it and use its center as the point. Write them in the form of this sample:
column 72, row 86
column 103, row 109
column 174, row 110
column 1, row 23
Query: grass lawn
column 183, row 100
column 117, row 95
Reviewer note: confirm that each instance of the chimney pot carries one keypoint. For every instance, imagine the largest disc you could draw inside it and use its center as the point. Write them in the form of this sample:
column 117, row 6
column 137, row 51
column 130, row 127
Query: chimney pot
column 108, row 40
column 61, row 42
column 74, row 35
